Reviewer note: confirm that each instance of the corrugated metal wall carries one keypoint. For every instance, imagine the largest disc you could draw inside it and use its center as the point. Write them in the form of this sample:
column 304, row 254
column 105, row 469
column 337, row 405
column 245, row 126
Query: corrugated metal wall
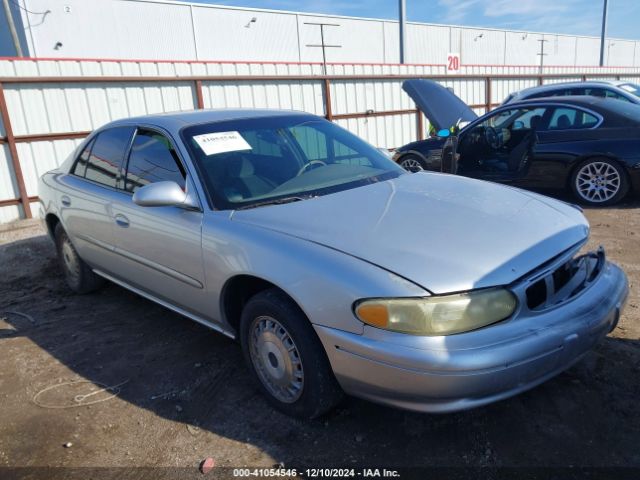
column 90, row 94
column 157, row 29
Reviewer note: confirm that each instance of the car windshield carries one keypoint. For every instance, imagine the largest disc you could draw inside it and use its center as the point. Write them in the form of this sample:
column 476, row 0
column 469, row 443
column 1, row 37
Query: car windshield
column 631, row 88
column 257, row 161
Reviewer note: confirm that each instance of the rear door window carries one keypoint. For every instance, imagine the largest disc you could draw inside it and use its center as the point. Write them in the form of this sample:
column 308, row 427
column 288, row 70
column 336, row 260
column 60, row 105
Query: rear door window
column 152, row 159
column 617, row 96
column 596, row 92
column 105, row 160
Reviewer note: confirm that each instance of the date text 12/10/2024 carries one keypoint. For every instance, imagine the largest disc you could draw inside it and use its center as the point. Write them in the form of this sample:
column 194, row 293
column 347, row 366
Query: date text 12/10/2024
column 316, row 472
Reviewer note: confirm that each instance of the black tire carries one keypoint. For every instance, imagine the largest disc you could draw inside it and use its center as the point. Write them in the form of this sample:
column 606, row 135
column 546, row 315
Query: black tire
column 78, row 274
column 411, row 161
column 316, row 391
column 607, row 197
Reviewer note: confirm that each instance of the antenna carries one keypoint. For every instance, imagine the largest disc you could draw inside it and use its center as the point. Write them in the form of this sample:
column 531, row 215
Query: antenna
column 542, row 54
column 323, row 45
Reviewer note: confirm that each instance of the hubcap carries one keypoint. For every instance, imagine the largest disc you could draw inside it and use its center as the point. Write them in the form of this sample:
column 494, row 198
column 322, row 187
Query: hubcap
column 411, row 163
column 70, row 259
column 276, row 359
column 598, row 182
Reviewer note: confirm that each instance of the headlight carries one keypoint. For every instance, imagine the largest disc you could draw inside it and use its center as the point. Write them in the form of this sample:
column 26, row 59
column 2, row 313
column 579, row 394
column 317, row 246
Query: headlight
column 438, row 315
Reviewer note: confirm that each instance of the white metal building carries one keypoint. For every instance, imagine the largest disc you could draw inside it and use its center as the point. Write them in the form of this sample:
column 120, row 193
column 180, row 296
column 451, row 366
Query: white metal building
column 169, row 30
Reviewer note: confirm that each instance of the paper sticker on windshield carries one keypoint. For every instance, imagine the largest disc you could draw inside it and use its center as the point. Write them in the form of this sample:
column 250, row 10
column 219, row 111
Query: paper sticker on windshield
column 220, row 142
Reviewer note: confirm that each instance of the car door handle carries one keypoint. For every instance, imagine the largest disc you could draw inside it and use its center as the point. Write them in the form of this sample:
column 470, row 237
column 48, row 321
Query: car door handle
column 66, row 201
column 122, row 221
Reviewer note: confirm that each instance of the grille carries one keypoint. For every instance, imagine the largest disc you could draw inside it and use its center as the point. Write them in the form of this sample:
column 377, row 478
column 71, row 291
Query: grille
column 563, row 282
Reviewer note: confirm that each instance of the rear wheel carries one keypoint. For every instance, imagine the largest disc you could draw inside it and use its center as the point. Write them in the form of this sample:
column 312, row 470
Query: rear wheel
column 77, row 273
column 599, row 181
column 286, row 357
column 412, row 163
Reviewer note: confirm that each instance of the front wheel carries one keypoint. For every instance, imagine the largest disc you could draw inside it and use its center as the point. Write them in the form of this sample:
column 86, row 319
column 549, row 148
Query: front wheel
column 412, row 163
column 286, row 357
column 599, row 181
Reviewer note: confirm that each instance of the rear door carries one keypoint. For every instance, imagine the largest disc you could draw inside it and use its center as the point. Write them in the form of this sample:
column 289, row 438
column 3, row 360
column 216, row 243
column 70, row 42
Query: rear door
column 159, row 248
column 85, row 204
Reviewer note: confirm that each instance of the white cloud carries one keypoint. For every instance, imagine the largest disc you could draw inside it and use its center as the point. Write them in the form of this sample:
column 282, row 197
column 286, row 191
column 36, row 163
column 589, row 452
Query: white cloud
column 570, row 16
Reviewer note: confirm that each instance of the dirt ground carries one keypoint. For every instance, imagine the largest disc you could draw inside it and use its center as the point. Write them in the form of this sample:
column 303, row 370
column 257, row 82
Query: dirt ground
column 185, row 395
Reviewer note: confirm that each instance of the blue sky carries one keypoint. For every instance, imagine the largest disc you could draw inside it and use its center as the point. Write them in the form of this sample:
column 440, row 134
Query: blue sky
column 580, row 17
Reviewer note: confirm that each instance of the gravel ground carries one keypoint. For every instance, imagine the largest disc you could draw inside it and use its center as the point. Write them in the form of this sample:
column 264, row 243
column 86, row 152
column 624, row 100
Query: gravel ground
column 185, row 395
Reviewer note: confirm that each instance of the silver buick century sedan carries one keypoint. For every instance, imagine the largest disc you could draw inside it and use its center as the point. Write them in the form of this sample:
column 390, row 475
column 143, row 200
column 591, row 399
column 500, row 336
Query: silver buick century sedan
column 335, row 269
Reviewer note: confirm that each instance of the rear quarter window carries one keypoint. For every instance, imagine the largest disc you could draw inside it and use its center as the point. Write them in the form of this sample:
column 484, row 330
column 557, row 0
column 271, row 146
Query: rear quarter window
column 80, row 167
column 571, row 119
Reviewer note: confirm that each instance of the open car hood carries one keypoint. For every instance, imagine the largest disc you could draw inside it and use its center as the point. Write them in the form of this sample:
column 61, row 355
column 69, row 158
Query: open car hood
column 441, row 107
column 443, row 232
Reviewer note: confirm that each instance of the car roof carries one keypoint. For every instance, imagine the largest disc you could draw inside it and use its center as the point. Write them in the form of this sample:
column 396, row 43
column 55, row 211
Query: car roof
column 174, row 121
column 606, row 108
column 584, row 101
column 556, row 86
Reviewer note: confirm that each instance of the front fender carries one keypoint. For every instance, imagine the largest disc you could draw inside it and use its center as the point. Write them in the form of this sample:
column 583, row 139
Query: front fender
column 323, row 282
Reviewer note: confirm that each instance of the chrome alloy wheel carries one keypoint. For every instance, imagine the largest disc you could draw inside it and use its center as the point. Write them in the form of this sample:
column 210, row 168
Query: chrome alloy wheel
column 598, row 182
column 71, row 261
column 411, row 163
column 276, row 359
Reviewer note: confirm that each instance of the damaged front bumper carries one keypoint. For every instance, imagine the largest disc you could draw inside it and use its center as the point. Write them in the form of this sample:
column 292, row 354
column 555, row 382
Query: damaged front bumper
column 449, row 373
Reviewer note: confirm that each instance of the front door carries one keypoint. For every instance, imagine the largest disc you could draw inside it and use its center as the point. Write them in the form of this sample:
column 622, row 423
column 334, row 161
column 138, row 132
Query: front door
column 159, row 248
column 501, row 147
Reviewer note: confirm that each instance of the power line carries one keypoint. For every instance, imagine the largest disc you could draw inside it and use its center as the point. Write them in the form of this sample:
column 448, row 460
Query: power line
column 29, row 11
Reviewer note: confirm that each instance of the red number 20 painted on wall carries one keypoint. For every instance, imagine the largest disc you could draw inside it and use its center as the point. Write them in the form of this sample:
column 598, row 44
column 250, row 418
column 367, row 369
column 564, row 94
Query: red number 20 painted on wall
column 453, row 63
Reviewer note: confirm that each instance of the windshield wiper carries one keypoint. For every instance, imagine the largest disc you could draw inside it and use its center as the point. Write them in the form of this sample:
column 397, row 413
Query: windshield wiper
column 277, row 201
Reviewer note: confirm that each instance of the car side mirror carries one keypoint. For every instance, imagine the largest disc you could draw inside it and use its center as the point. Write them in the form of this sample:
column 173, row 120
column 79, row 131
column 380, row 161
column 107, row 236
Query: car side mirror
column 444, row 133
column 164, row 194
column 518, row 125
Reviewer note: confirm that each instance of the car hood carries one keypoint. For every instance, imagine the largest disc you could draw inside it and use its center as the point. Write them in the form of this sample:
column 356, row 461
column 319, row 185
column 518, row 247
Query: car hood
column 444, row 233
column 441, row 107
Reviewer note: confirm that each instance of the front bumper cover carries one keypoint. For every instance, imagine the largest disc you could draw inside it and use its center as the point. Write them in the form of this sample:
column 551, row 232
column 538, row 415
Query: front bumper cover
column 444, row 374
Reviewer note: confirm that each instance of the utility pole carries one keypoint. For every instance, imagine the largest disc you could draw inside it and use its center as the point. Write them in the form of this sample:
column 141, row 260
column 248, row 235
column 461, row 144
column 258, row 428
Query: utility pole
column 542, row 54
column 322, row 45
column 402, row 7
column 12, row 28
column 604, row 31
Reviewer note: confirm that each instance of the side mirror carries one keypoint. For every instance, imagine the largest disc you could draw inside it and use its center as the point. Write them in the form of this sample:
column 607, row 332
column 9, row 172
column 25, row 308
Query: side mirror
column 444, row 133
column 518, row 125
column 164, row 194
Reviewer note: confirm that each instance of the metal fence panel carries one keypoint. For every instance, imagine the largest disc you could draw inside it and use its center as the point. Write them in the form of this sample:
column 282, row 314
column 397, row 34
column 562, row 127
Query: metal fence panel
column 69, row 107
column 49, row 117
column 301, row 95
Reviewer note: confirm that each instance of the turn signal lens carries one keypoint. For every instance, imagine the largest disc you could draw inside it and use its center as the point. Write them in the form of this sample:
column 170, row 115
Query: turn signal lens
column 438, row 315
column 374, row 314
